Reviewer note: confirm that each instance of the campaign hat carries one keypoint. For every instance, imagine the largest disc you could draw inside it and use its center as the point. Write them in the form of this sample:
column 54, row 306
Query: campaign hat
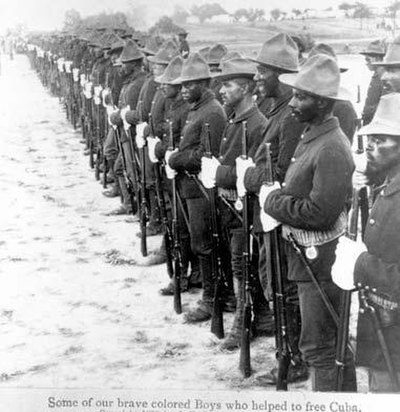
column 166, row 53
column 172, row 71
column 131, row 52
column 235, row 68
column 216, row 53
column 194, row 68
column 375, row 48
column 322, row 48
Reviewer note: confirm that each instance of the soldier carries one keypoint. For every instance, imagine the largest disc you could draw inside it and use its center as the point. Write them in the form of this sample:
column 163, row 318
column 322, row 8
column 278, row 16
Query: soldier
column 176, row 111
column 195, row 80
column 213, row 58
column 278, row 55
column 373, row 54
column 312, row 207
column 184, row 48
column 132, row 59
column 237, row 93
column 376, row 271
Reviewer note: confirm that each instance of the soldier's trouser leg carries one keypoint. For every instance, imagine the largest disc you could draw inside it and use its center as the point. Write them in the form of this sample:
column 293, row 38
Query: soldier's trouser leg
column 319, row 335
column 379, row 381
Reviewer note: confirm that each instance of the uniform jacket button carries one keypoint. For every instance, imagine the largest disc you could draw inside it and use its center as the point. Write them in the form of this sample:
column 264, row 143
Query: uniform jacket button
column 283, row 184
column 371, row 222
column 293, row 159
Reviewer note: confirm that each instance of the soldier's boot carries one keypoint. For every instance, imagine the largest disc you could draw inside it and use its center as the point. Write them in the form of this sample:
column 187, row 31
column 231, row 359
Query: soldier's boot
column 126, row 207
column 154, row 226
column 232, row 341
column 263, row 322
column 203, row 310
column 324, row 379
column 184, row 283
column 114, row 191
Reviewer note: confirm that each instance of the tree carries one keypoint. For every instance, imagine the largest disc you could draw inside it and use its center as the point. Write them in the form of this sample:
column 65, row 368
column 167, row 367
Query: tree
column 72, row 20
column 207, row 11
column 346, row 7
column 361, row 11
column 255, row 15
column 239, row 13
column 164, row 25
column 393, row 9
column 296, row 12
column 275, row 14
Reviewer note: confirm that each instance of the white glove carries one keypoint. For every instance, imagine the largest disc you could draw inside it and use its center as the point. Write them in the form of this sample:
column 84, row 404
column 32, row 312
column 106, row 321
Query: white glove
column 360, row 160
column 123, row 116
column 75, row 74
column 265, row 191
column 241, row 166
column 268, row 222
column 110, row 111
column 140, row 140
column 152, row 143
column 359, row 180
column 171, row 173
column 97, row 94
column 208, row 171
column 168, row 154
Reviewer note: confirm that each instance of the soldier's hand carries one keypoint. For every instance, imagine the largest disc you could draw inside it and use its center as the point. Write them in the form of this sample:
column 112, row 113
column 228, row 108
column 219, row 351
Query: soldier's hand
column 360, row 160
column 268, row 222
column 265, row 192
column 171, row 173
column 209, row 171
column 241, row 167
column 152, row 143
column 359, row 180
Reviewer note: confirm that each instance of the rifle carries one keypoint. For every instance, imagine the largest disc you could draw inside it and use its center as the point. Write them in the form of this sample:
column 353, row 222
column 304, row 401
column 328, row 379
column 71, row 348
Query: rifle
column 217, row 319
column 178, row 267
column 278, row 267
column 105, row 130
column 97, row 120
column 129, row 184
column 244, row 362
column 359, row 203
column 161, row 204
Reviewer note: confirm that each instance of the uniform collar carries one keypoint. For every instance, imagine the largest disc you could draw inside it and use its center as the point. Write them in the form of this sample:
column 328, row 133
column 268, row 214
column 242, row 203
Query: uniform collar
column 244, row 116
column 280, row 102
column 392, row 186
column 207, row 96
column 313, row 131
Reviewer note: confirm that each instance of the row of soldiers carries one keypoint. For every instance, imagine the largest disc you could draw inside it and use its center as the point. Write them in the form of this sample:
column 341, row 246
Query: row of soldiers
column 244, row 165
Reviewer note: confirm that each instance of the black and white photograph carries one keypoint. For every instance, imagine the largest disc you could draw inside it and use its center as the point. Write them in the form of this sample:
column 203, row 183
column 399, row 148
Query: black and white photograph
column 198, row 209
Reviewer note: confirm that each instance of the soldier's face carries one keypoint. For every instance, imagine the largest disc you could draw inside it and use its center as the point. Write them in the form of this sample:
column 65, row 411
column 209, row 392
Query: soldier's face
column 192, row 91
column 391, row 80
column 158, row 69
column 170, row 91
column 267, row 81
column 232, row 93
column 371, row 59
column 383, row 153
column 304, row 106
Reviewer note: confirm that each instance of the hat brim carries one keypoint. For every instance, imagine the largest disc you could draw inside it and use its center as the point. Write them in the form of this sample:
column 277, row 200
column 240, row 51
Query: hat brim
column 132, row 59
column 162, row 80
column 181, row 80
column 274, row 66
column 379, row 128
column 290, row 80
column 148, row 51
column 383, row 64
column 156, row 60
column 230, row 76
column 367, row 53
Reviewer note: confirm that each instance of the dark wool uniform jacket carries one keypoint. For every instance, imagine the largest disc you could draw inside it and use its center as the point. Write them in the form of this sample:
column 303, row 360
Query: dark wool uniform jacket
column 176, row 111
column 283, row 132
column 379, row 268
column 192, row 145
column 317, row 184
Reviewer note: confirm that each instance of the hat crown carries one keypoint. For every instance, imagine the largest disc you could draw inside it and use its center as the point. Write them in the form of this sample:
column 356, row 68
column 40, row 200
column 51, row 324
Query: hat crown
column 386, row 119
column 172, row 71
column 151, row 45
column 166, row 53
column 194, row 68
column 393, row 53
column 319, row 75
column 279, row 51
column 375, row 47
column 131, row 52
column 237, row 66
column 216, row 53
column 322, row 48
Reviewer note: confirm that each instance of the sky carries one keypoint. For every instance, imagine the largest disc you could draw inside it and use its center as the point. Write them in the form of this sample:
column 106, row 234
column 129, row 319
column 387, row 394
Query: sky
column 49, row 14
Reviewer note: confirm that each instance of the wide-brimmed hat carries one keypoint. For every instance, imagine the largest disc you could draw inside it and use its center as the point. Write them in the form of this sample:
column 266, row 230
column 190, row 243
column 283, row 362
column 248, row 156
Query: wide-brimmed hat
column 375, row 48
column 216, row 53
column 182, row 32
column 279, row 52
column 151, row 46
column 117, row 45
column 204, row 51
column 319, row 76
column 194, row 68
column 232, row 55
column 386, row 119
column 322, row 48
column 172, row 71
column 235, row 68
column 131, row 52
column 166, row 53
column 392, row 56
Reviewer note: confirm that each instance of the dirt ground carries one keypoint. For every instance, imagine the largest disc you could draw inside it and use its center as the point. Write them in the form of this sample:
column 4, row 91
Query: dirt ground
column 76, row 310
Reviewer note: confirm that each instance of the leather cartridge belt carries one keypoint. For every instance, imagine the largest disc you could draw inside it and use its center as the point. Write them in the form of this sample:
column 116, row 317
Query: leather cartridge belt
column 228, row 194
column 309, row 238
column 382, row 302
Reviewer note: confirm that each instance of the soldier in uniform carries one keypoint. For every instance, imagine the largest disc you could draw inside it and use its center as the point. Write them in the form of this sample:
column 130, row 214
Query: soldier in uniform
column 373, row 54
column 278, row 55
column 237, row 93
column 195, row 80
column 312, row 206
column 184, row 48
column 377, row 271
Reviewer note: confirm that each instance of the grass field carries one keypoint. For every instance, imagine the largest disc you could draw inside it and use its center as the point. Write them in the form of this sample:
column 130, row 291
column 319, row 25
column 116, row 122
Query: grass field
column 246, row 37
